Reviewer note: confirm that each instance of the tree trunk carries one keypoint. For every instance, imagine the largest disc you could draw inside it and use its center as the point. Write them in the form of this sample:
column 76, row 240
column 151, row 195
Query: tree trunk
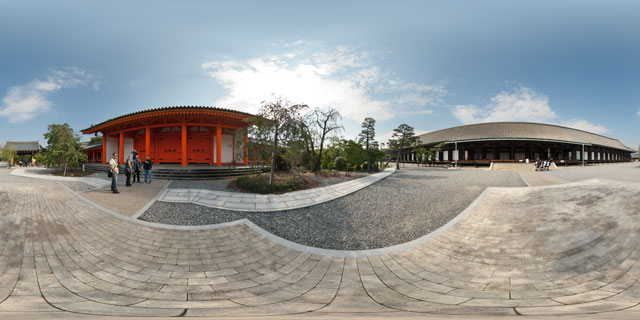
column 319, row 161
column 65, row 169
column 368, row 157
column 398, row 159
column 273, row 156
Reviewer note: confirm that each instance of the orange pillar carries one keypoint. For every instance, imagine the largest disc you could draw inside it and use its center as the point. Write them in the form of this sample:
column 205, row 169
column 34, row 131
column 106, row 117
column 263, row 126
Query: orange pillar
column 121, row 148
column 184, row 145
column 246, row 148
column 219, row 145
column 147, row 142
column 212, row 153
column 104, row 148
column 93, row 156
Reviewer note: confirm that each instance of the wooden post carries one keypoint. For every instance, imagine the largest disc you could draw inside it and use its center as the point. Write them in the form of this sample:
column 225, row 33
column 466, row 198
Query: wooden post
column 219, row 145
column 147, row 142
column 121, row 148
column 212, row 150
column 246, row 148
column 104, row 149
column 184, row 145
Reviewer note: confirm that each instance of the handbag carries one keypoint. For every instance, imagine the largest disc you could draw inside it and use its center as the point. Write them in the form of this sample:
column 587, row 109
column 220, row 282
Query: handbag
column 109, row 174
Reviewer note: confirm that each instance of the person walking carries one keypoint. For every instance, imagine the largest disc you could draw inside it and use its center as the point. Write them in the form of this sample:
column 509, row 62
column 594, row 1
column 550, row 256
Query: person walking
column 147, row 169
column 128, row 168
column 113, row 168
column 137, row 167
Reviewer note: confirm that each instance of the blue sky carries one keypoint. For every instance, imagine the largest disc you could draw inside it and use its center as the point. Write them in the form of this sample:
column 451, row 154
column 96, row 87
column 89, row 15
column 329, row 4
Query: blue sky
column 430, row 64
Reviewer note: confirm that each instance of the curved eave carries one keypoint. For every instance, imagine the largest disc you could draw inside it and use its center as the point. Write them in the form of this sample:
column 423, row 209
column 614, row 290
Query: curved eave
column 150, row 113
column 529, row 139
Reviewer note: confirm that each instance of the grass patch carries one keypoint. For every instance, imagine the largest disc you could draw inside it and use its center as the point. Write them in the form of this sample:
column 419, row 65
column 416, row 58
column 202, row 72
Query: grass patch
column 260, row 183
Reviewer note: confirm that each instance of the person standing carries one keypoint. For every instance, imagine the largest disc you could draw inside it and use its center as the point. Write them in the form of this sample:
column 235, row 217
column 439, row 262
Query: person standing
column 147, row 169
column 113, row 167
column 137, row 167
column 128, row 168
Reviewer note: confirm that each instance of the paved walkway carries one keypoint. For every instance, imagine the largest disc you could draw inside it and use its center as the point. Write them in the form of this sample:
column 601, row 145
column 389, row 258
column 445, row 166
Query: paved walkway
column 40, row 173
column 239, row 201
column 528, row 173
column 561, row 249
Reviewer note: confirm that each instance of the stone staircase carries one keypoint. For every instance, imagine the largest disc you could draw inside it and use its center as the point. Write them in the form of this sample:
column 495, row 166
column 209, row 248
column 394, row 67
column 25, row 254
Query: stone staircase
column 186, row 173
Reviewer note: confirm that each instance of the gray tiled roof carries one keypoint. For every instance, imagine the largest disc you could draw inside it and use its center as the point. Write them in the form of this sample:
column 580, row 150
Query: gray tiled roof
column 167, row 109
column 91, row 146
column 21, row 146
column 520, row 130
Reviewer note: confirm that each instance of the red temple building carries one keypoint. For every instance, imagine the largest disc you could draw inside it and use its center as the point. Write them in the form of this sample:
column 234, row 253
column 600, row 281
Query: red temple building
column 182, row 134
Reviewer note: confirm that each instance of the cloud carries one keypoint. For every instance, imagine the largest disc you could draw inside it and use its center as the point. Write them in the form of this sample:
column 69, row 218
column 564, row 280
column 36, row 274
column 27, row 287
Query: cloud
column 584, row 125
column 522, row 104
column 25, row 102
column 343, row 78
column 638, row 113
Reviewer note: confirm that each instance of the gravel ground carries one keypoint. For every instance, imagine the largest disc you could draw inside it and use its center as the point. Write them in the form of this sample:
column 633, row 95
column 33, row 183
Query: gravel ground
column 221, row 185
column 629, row 172
column 404, row 206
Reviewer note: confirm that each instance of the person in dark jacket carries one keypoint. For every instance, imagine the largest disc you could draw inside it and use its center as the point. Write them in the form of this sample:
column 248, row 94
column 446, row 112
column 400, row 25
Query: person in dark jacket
column 128, row 168
column 137, row 167
column 147, row 169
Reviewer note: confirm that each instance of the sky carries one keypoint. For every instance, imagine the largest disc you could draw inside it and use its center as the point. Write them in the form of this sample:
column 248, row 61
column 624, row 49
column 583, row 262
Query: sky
column 429, row 64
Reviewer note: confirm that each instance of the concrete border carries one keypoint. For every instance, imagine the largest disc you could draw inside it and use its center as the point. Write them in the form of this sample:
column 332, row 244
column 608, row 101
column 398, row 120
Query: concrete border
column 250, row 202
column 523, row 179
column 152, row 201
column 95, row 182
column 291, row 244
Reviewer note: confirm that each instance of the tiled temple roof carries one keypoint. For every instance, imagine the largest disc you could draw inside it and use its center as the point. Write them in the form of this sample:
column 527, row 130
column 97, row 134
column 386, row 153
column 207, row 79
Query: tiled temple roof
column 520, row 131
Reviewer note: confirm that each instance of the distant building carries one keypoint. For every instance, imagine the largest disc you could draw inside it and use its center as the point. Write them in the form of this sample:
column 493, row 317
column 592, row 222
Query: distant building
column 24, row 148
column 484, row 143
column 634, row 156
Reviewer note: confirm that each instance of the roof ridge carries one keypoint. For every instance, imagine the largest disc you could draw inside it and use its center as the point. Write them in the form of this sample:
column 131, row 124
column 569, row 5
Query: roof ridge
column 524, row 122
column 169, row 108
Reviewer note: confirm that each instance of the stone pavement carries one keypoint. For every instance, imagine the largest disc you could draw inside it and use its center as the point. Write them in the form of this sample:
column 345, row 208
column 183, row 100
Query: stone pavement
column 40, row 173
column 239, row 201
column 131, row 201
column 565, row 249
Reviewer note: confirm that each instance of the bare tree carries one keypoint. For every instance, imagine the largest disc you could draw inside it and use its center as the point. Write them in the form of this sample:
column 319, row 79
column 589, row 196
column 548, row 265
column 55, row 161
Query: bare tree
column 279, row 117
column 327, row 122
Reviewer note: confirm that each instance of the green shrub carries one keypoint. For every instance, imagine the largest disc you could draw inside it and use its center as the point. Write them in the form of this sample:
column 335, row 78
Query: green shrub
column 281, row 163
column 340, row 163
column 260, row 183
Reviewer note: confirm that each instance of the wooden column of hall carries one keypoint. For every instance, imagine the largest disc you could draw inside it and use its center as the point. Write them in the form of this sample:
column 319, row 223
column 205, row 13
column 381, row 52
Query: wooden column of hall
column 246, row 148
column 218, row 145
column 147, row 142
column 121, row 148
column 104, row 149
column 213, row 148
column 183, row 145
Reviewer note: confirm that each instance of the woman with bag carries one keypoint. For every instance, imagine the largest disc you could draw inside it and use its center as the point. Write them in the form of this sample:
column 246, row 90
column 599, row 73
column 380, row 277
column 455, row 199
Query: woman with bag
column 128, row 169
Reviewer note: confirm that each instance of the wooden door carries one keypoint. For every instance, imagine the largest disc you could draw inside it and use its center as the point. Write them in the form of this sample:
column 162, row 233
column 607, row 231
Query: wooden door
column 199, row 147
column 169, row 150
